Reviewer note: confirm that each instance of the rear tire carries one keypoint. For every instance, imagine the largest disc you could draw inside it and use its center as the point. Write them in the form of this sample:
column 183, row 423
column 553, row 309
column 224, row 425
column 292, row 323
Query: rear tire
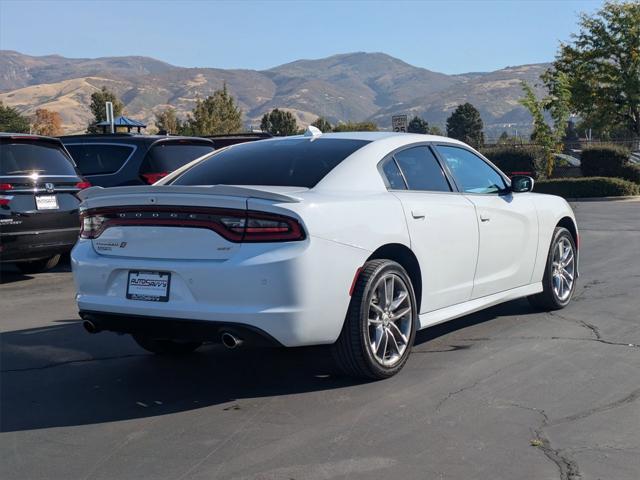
column 164, row 346
column 559, row 280
column 38, row 266
column 380, row 325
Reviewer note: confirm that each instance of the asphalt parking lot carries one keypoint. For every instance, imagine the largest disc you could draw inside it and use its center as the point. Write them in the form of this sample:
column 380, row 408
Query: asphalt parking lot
column 502, row 394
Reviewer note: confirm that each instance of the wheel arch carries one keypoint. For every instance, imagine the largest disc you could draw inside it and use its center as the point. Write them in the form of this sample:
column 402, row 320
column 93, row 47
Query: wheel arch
column 569, row 224
column 404, row 256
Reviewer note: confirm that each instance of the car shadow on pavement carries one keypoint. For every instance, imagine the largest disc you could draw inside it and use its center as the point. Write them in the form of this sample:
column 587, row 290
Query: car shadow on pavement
column 60, row 375
column 9, row 273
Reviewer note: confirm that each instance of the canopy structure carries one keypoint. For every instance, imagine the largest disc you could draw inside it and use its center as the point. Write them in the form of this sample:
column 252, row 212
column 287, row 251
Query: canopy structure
column 122, row 122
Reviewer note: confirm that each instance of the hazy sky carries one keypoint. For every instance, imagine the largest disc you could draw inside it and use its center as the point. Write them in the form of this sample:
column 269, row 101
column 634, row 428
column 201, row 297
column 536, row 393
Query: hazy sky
column 445, row 36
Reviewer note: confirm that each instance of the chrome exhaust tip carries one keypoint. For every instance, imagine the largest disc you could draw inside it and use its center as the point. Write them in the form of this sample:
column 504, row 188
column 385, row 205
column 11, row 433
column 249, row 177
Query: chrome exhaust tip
column 90, row 327
column 230, row 341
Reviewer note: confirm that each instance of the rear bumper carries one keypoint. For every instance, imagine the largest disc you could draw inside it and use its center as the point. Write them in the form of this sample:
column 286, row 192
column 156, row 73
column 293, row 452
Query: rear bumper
column 178, row 328
column 295, row 292
column 33, row 245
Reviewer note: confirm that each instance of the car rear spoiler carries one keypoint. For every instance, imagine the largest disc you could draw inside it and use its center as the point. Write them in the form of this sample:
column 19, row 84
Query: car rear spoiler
column 223, row 190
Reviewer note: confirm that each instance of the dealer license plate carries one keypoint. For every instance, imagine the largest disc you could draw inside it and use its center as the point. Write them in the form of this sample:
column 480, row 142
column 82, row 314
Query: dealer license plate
column 46, row 202
column 148, row 286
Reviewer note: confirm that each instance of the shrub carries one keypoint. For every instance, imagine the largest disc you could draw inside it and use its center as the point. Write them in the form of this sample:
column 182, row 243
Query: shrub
column 512, row 158
column 631, row 173
column 603, row 160
column 587, row 187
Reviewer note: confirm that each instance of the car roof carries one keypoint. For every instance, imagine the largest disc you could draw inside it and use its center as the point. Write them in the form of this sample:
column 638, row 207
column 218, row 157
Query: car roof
column 378, row 136
column 27, row 136
column 128, row 138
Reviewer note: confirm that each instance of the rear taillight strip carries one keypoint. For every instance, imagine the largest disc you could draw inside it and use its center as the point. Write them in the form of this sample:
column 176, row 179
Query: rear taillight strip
column 234, row 225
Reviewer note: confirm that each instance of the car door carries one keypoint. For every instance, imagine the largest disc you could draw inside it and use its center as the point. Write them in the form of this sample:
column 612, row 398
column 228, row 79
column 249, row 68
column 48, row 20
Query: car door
column 442, row 225
column 508, row 222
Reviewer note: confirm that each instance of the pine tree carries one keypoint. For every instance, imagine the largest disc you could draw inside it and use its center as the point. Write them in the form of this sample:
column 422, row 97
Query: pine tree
column 465, row 124
column 216, row 114
column 279, row 123
column 418, row 125
column 99, row 110
column 12, row 121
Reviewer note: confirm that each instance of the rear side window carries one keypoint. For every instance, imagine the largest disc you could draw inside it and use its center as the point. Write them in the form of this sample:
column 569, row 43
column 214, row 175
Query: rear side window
column 20, row 157
column 100, row 159
column 295, row 162
column 393, row 175
column 166, row 157
column 422, row 170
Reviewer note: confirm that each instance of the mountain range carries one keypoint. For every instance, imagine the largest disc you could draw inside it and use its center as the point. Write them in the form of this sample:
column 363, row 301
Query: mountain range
column 345, row 87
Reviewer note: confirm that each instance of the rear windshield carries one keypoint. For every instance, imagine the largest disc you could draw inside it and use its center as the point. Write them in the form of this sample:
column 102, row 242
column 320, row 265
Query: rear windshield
column 20, row 157
column 169, row 156
column 295, row 162
column 100, row 159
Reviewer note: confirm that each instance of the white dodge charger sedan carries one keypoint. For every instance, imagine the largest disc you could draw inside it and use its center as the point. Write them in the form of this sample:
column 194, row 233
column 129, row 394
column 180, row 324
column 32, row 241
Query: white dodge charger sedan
column 352, row 240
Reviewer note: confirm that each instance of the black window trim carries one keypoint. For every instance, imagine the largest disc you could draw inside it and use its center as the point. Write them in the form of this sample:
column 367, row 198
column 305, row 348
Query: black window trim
column 443, row 162
column 124, row 164
column 391, row 156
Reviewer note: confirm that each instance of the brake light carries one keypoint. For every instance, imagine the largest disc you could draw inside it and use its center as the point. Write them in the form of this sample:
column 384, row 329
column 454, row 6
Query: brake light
column 5, row 199
column 152, row 178
column 234, row 225
column 5, row 187
column 83, row 185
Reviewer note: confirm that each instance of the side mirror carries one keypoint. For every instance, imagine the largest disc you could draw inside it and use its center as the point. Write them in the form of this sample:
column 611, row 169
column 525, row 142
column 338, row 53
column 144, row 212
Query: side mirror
column 521, row 183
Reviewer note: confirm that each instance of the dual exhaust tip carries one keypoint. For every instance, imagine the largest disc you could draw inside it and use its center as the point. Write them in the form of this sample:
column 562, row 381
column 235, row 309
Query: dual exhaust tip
column 229, row 340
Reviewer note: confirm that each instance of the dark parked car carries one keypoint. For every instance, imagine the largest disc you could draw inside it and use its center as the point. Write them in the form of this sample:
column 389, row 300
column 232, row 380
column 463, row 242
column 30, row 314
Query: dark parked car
column 127, row 159
column 221, row 141
column 38, row 204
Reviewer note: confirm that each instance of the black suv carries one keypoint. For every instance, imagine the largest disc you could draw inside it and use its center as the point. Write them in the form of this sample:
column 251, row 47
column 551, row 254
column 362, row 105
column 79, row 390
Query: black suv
column 38, row 204
column 127, row 159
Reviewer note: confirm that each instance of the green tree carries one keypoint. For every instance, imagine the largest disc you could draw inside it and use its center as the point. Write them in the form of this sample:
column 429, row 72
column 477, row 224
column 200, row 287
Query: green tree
column 356, row 127
column 279, row 123
column 602, row 65
column 322, row 124
column 418, row 125
column 503, row 138
column 167, row 121
column 216, row 114
column 465, row 124
column 435, row 130
column 98, row 100
column 12, row 121
column 556, row 103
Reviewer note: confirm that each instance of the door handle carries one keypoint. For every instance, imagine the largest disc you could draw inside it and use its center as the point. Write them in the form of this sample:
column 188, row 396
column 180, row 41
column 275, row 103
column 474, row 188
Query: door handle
column 484, row 217
column 417, row 214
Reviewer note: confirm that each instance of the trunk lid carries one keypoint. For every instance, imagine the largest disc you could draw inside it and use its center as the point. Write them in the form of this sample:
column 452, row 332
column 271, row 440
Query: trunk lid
column 172, row 222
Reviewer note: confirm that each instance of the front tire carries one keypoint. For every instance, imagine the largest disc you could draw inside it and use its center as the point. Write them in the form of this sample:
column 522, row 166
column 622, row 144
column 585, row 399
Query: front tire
column 164, row 346
column 560, row 274
column 380, row 325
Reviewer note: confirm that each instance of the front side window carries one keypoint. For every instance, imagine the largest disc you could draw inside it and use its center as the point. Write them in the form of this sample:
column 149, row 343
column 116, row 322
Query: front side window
column 294, row 162
column 99, row 159
column 471, row 173
column 422, row 170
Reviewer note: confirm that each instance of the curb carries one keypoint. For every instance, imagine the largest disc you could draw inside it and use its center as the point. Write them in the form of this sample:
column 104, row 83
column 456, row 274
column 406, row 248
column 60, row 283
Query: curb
column 630, row 198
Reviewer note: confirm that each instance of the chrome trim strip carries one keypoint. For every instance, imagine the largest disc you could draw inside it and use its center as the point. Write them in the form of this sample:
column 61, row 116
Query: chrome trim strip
column 38, row 232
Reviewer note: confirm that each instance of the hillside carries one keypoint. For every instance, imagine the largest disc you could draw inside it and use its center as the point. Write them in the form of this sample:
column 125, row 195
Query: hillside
column 355, row 86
